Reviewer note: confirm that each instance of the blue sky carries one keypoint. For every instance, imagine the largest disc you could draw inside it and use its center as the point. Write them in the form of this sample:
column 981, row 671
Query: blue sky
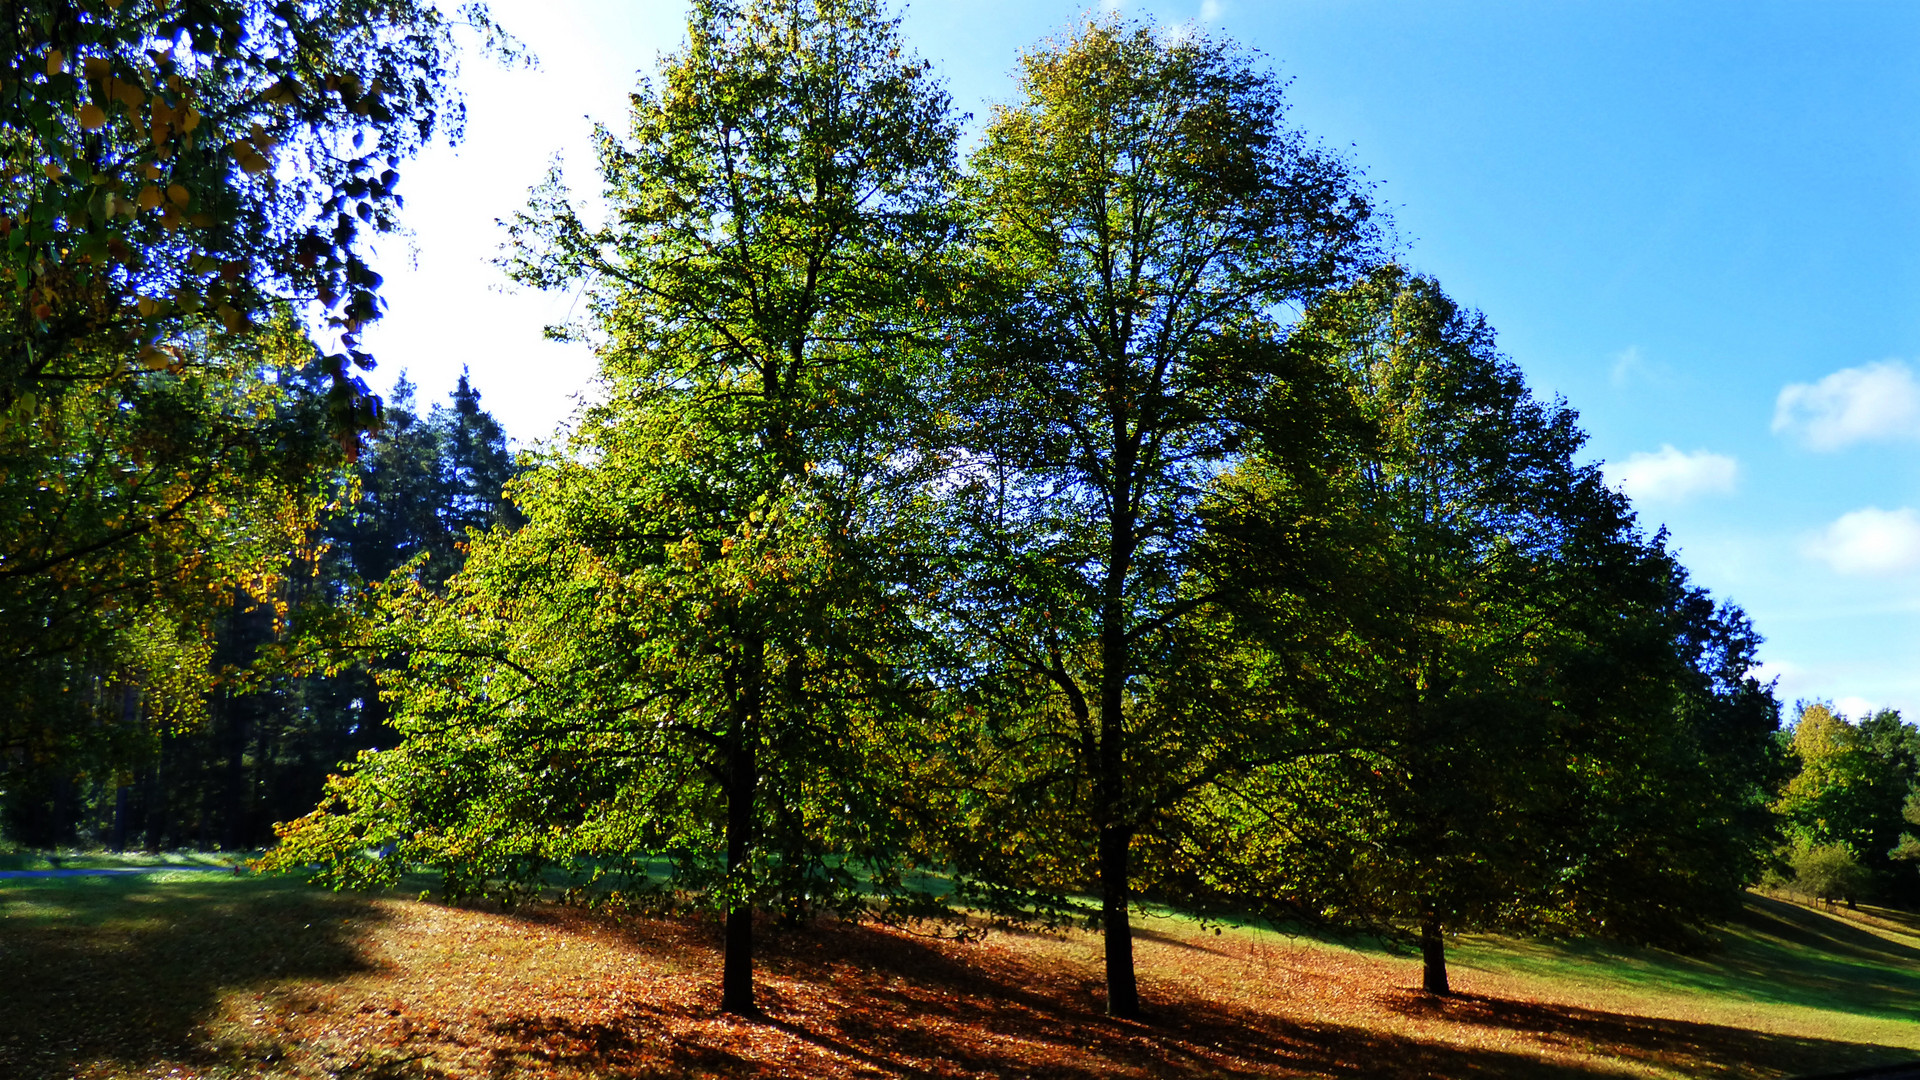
column 1699, row 223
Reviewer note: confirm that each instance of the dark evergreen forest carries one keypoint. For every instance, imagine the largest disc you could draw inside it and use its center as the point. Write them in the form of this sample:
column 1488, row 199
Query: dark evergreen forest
column 268, row 740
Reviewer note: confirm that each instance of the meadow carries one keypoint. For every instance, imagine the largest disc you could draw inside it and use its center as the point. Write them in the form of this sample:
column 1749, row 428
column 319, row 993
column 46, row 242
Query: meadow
column 195, row 974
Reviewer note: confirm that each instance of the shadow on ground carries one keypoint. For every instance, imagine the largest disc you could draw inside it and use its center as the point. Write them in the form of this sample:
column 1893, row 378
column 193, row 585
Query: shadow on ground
column 130, row 969
column 899, row 1007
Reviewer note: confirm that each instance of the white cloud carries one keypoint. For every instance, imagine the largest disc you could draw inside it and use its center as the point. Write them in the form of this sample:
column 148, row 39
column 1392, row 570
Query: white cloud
column 1855, row 709
column 1876, row 401
column 1209, row 10
column 1870, row 541
column 1110, row 6
column 1673, row 476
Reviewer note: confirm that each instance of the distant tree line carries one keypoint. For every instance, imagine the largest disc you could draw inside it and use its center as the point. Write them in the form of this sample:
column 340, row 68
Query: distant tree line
column 266, row 733
column 188, row 195
column 1102, row 518
column 1850, row 810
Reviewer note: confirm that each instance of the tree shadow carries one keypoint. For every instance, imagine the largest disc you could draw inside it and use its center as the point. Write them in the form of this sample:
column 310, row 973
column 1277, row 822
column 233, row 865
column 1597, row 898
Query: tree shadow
column 1832, row 963
column 1820, row 931
column 131, row 969
column 874, row 1003
column 1698, row 1049
column 1775, row 953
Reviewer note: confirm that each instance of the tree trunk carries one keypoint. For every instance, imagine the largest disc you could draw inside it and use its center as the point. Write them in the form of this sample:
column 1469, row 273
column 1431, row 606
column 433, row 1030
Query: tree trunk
column 1123, row 992
column 119, row 841
column 155, row 803
column 1433, row 952
column 736, row 972
column 1111, row 803
column 233, row 825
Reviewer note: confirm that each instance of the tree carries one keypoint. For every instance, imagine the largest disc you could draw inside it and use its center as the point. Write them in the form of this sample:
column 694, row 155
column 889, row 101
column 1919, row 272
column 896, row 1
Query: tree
column 183, row 182
column 425, row 482
column 692, row 650
column 1672, row 818
column 1477, row 530
column 1143, row 216
column 1850, row 787
column 1826, row 872
column 186, row 166
column 1540, row 715
column 174, row 496
column 264, row 733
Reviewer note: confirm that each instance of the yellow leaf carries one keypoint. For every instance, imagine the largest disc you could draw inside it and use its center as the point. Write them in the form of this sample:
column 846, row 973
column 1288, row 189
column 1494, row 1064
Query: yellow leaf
column 54, row 171
column 56, row 62
column 149, row 196
column 92, row 118
column 177, row 194
column 96, row 67
column 191, row 120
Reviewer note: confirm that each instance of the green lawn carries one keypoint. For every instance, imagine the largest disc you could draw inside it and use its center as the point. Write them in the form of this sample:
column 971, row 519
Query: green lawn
column 99, row 860
column 1853, row 975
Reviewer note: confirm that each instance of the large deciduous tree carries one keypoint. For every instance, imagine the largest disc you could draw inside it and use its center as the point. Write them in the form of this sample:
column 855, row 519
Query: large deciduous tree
column 1144, row 219
column 1537, row 700
column 166, row 162
column 693, row 648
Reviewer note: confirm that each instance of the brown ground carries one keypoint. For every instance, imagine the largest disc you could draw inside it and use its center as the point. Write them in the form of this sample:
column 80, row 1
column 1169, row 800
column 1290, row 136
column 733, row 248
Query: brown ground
column 344, row 987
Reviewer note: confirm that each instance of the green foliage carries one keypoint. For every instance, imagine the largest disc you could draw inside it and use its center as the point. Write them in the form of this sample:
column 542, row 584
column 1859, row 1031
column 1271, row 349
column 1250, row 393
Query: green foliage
column 425, row 482
column 265, row 728
column 1013, row 521
column 172, row 168
column 696, row 646
column 170, row 497
column 1141, row 215
column 1544, row 727
column 1826, row 871
column 1851, row 787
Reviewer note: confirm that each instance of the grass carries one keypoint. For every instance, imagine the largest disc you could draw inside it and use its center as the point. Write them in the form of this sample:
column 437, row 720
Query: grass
column 98, row 860
column 201, row 975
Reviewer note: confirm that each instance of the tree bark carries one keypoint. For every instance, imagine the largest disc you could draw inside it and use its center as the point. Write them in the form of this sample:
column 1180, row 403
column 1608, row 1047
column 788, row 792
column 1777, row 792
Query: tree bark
column 1123, row 991
column 736, row 970
column 119, row 841
column 1433, row 953
column 1110, row 794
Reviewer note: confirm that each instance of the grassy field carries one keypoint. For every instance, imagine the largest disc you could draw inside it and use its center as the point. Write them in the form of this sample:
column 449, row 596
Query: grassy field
column 207, row 975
